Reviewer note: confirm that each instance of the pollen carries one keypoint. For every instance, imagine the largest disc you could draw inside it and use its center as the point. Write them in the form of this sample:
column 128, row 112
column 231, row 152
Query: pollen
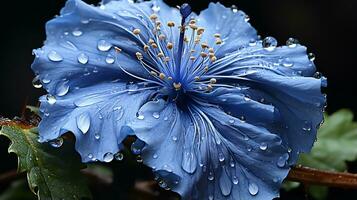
column 136, row 31
column 197, row 78
column 218, row 41
column 177, row 86
column 153, row 73
column 154, row 45
column 169, row 45
column 160, row 55
column 117, row 49
column 162, row 76
column 170, row 24
column 213, row 59
column 162, row 37
column 153, row 17
column 146, row 48
column 139, row 55
column 217, row 35
column 200, row 30
column 204, row 45
column 192, row 58
column 203, row 54
column 211, row 50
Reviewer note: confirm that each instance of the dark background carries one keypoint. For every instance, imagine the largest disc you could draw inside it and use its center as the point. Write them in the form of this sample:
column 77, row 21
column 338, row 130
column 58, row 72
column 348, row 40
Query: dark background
column 326, row 27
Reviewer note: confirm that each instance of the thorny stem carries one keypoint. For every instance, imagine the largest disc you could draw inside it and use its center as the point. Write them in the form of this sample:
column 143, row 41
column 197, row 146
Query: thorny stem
column 306, row 175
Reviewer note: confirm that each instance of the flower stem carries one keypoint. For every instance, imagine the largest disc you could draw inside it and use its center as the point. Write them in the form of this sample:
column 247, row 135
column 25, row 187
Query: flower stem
column 313, row 176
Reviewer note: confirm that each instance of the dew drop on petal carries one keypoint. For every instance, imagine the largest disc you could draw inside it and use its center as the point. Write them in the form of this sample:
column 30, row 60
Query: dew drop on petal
column 234, row 9
column 189, row 161
column 221, row 157
column 83, row 122
column 235, row 180
column 90, row 156
column 225, row 183
column 307, row 126
column 154, row 156
column 119, row 156
column 140, row 116
column 253, row 189
column 263, row 146
column 210, row 197
column 57, row 142
column 104, row 45
column 109, row 59
column 210, row 176
column 139, row 159
column 77, row 33
column 281, row 161
column 97, row 136
column 156, row 115
column 231, row 121
column 51, row 99
column 54, row 56
column 287, row 62
column 108, row 157
column 36, row 82
column 269, row 43
column 292, row 42
column 311, row 56
column 62, row 89
column 82, row 58
column 174, row 138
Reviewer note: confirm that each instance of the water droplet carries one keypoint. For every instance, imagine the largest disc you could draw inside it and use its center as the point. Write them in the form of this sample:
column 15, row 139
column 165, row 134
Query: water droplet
column 263, row 146
column 97, row 136
column 51, row 99
column 108, row 157
column 231, row 163
column 166, row 118
column 119, row 156
column 235, row 180
column 221, row 157
column 269, row 43
column 57, row 142
column 253, row 189
column 154, row 156
column 174, row 138
column 281, row 161
column 318, row 75
column 249, row 148
column 36, row 82
column 307, row 126
column 210, row 176
column 189, row 161
column 140, row 116
column 62, row 89
column 231, row 121
column 252, row 42
column 292, row 42
column 234, row 8
column 287, row 62
column 77, row 33
column 110, row 59
column 104, row 45
column 83, row 122
column 311, row 57
column 155, row 8
column 225, row 183
column 156, row 115
column 46, row 80
column 82, row 58
column 242, row 118
column 246, row 18
column 210, row 197
column 54, row 56
column 90, row 156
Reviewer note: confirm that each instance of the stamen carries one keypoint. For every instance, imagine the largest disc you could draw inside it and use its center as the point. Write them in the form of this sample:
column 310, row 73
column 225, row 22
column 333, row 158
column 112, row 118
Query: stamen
column 136, row 31
column 117, row 49
column 203, row 54
column 162, row 76
column 169, row 45
column 154, row 45
column 153, row 73
column 213, row 80
column 218, row 41
column 204, row 45
column 160, row 55
column 200, row 30
column 217, row 35
column 213, row 59
column 162, row 37
column 170, row 24
column 197, row 78
column 192, row 58
column 177, row 86
column 139, row 55
column 146, row 48
column 153, row 17
column 211, row 50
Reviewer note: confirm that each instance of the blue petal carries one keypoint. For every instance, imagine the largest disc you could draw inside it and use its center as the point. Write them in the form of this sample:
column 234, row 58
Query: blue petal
column 96, row 115
column 276, row 80
column 201, row 153
column 235, row 31
column 80, row 48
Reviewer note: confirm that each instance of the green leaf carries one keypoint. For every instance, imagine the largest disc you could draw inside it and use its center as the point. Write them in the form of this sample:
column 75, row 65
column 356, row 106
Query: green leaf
column 52, row 173
column 336, row 143
column 318, row 192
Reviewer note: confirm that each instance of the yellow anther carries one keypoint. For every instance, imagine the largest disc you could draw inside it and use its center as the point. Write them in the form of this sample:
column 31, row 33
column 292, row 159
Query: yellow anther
column 117, row 49
column 160, row 55
column 146, row 48
column 162, row 76
column 192, row 51
column 151, row 41
column 177, row 86
column 158, row 28
column 209, row 87
column 218, row 41
column 213, row 59
column 192, row 21
column 170, row 24
column 200, row 30
column 211, row 55
column 192, row 57
column 213, row 80
column 217, row 35
column 203, row 54
column 162, row 37
column 197, row 78
column 139, row 55
column 204, row 45
column 169, row 78
column 169, row 45
column 136, row 31
column 153, row 73
column 154, row 45
column 158, row 23
column 211, row 50
column 185, row 39
column 153, row 17
column 206, row 68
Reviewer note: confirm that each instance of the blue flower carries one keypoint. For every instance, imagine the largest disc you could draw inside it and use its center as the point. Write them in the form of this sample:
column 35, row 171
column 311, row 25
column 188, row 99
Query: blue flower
column 218, row 113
